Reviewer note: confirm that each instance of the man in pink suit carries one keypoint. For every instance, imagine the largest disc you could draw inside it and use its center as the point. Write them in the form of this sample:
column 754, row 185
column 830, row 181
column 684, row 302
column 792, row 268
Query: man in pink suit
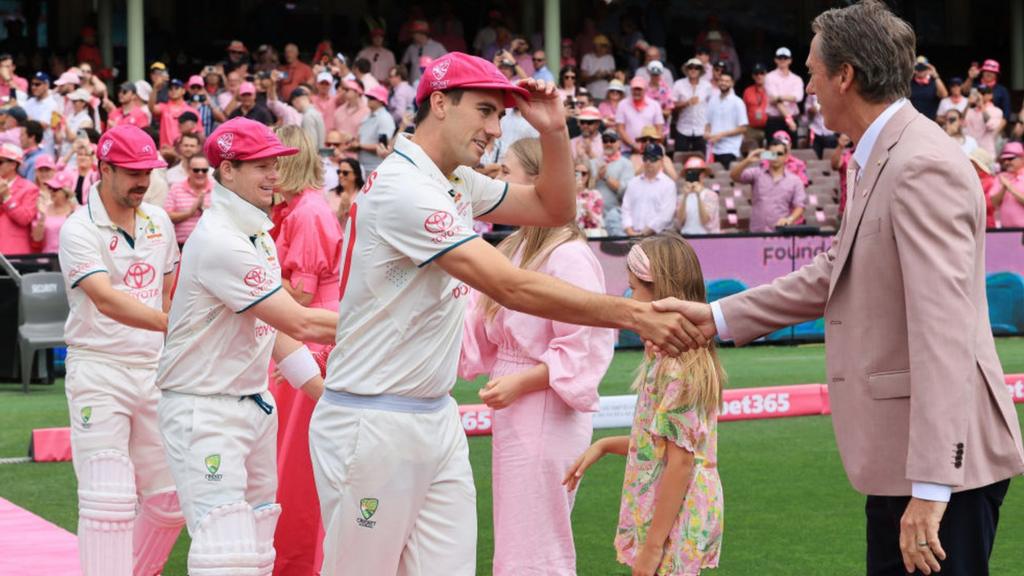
column 924, row 423
column 18, row 203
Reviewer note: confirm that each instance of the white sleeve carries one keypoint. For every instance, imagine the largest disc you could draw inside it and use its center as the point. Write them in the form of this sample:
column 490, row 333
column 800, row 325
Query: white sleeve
column 485, row 193
column 79, row 253
column 236, row 274
column 423, row 225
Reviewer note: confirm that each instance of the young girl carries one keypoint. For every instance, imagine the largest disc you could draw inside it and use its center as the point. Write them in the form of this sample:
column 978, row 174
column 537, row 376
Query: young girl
column 670, row 519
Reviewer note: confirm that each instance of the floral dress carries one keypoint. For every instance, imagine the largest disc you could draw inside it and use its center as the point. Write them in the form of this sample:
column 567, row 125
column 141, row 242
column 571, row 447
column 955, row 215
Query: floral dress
column 590, row 212
column 696, row 537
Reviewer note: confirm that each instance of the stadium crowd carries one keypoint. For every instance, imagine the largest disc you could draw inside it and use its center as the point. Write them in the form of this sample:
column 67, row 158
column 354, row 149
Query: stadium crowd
column 658, row 145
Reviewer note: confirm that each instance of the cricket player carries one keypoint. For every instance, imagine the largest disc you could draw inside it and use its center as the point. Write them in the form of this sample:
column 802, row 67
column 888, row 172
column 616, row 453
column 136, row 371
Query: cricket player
column 216, row 416
column 389, row 454
column 118, row 256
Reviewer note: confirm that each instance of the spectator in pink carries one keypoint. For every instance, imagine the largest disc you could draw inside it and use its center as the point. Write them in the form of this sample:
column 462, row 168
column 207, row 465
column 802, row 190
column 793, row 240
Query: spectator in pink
column 983, row 120
column 403, row 96
column 588, row 143
column 324, row 99
column 653, row 135
column 350, row 182
column 45, row 169
column 308, row 240
column 649, row 203
column 169, row 112
column 610, row 105
column 785, row 90
column 543, row 378
column 187, row 199
column 777, row 195
column 982, row 163
column 697, row 210
column 638, row 111
column 18, row 203
column 659, row 86
column 589, row 203
column 130, row 111
column 83, row 173
column 794, row 165
column 351, row 112
column 1007, row 192
column 840, row 162
column 380, row 58
column 49, row 219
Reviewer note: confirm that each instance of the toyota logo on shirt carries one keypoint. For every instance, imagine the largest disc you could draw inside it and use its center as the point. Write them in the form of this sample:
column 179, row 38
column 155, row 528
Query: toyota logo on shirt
column 139, row 275
column 255, row 277
column 438, row 222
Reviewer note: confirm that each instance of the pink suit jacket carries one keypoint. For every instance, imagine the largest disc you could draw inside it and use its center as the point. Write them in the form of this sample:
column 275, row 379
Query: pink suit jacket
column 917, row 391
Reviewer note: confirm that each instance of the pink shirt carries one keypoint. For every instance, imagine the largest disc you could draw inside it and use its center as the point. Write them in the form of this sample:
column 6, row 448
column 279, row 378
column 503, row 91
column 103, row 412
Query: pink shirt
column 169, row 113
column 347, row 122
column 51, row 233
column 634, row 119
column 984, row 132
column 596, row 147
column 772, row 199
column 181, row 198
column 777, row 84
column 326, row 105
column 308, row 239
column 16, row 216
column 137, row 117
column 1011, row 211
column 92, row 177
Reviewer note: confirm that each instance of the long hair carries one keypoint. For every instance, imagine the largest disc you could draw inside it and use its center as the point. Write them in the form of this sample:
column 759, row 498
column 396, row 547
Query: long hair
column 532, row 244
column 303, row 170
column 357, row 170
column 676, row 273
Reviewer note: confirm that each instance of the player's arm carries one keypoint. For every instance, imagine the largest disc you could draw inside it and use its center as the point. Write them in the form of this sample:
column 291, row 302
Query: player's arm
column 294, row 362
column 481, row 266
column 282, row 312
column 120, row 306
column 168, row 287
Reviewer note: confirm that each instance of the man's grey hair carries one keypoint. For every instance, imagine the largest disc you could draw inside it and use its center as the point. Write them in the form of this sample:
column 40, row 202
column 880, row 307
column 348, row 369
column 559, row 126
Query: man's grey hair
column 878, row 45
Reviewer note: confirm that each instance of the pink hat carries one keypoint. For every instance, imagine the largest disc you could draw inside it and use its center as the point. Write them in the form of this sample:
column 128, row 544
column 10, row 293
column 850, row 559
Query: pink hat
column 244, row 139
column 45, row 161
column 419, row 26
column 127, row 146
column 247, row 88
column 988, row 66
column 352, row 85
column 378, row 93
column 458, row 70
column 195, row 80
column 1012, row 150
column 59, row 181
column 695, row 163
column 589, row 113
column 9, row 151
column 638, row 82
column 782, row 136
column 68, row 77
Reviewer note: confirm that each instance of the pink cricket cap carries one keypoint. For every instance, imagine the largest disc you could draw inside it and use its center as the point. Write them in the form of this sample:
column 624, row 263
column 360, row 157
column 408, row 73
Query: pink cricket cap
column 1012, row 150
column 59, row 181
column 352, row 85
column 127, row 146
column 68, row 77
column 589, row 113
column 247, row 88
column 195, row 80
column 378, row 93
column 44, row 161
column 638, row 82
column 9, row 151
column 244, row 139
column 458, row 70
column 988, row 66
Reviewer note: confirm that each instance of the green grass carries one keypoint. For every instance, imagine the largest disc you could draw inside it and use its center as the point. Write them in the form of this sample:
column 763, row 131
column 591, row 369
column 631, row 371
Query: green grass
column 789, row 507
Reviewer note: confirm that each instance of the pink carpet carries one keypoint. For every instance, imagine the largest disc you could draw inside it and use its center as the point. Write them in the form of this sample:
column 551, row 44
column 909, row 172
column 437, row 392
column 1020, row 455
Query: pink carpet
column 30, row 546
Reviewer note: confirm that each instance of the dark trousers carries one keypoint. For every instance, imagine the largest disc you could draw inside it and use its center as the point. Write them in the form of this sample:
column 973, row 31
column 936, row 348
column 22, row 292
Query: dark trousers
column 725, row 159
column 690, row 144
column 967, row 532
column 822, row 142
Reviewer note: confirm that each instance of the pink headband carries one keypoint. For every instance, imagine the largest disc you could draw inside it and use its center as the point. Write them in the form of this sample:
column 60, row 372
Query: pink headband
column 639, row 264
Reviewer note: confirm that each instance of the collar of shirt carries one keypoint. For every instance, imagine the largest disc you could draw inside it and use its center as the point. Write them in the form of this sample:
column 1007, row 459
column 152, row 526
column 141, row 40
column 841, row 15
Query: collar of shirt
column 412, row 152
column 98, row 212
column 863, row 151
column 249, row 219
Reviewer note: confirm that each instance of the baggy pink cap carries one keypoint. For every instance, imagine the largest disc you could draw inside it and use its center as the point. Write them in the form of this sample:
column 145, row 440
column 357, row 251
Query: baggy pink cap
column 244, row 139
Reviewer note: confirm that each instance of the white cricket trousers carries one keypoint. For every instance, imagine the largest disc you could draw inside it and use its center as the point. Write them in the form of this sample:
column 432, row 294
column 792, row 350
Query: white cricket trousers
column 396, row 488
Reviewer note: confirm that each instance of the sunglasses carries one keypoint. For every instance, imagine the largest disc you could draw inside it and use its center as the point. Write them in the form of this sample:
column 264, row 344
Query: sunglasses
column 333, row 144
column 38, row 83
column 783, row 58
column 582, row 173
column 538, row 59
column 570, row 76
column 608, row 140
column 200, row 170
column 345, row 172
column 588, row 122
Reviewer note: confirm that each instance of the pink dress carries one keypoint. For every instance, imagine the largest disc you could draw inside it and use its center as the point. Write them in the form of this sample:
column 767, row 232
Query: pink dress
column 16, row 216
column 308, row 239
column 51, row 233
column 541, row 434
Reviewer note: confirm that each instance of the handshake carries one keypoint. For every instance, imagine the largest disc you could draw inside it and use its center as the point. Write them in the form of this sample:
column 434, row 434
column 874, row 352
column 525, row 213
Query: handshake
column 672, row 326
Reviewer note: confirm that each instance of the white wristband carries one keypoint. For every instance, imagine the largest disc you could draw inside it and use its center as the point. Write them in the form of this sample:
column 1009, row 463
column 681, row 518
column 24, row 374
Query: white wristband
column 298, row 367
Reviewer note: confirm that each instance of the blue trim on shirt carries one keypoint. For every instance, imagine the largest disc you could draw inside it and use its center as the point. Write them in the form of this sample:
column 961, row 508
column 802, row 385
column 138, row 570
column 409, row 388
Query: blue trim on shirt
column 261, row 299
column 447, row 250
column 400, row 153
column 79, row 281
column 500, row 200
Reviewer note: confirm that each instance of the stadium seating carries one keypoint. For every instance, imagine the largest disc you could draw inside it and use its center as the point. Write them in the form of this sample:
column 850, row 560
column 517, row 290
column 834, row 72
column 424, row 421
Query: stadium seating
column 1005, row 292
column 43, row 309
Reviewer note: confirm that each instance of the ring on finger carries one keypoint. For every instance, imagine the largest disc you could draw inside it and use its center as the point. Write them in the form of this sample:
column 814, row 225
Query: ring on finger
column 922, row 544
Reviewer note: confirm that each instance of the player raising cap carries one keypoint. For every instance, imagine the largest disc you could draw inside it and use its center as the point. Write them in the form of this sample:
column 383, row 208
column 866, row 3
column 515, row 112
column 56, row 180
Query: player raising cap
column 118, row 257
column 216, row 417
column 389, row 454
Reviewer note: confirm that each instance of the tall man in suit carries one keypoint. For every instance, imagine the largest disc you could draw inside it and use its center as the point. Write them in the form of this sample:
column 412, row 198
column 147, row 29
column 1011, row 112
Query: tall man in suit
column 924, row 423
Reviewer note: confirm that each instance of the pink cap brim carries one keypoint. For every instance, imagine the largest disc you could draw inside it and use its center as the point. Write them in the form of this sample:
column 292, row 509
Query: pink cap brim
column 149, row 164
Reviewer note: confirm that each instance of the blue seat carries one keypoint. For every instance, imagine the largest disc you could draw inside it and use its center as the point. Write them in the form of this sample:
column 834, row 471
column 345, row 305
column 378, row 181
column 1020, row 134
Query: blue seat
column 627, row 338
column 1005, row 291
column 718, row 289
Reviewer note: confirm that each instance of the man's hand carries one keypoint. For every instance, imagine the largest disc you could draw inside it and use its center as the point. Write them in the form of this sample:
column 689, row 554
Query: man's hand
column 501, row 392
column 919, row 536
column 668, row 326
column 544, row 108
column 784, row 221
column 698, row 316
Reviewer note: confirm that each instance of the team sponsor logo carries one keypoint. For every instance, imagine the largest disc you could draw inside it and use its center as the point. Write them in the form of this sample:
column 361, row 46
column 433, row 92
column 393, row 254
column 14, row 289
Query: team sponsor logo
column 212, row 463
column 86, row 413
column 224, row 142
column 152, row 230
column 113, row 243
column 105, row 149
column 255, row 277
column 147, row 149
column 438, row 222
column 369, row 182
column 367, row 508
column 440, row 69
column 139, row 275
column 78, row 269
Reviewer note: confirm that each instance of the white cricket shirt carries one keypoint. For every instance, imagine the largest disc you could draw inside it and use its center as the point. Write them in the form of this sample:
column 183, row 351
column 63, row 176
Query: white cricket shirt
column 400, row 318
column 229, row 265
column 136, row 263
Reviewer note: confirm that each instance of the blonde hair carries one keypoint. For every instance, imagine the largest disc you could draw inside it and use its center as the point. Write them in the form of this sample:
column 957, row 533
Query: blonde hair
column 591, row 182
column 300, row 171
column 532, row 244
column 676, row 273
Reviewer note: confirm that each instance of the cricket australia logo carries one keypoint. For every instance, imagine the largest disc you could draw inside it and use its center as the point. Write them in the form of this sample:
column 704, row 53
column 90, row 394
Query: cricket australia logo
column 224, row 143
column 212, row 466
column 106, row 148
column 441, row 69
column 367, row 507
column 86, row 416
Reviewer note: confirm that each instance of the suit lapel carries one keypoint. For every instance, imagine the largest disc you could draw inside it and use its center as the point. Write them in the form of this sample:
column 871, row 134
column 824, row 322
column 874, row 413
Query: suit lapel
column 862, row 191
